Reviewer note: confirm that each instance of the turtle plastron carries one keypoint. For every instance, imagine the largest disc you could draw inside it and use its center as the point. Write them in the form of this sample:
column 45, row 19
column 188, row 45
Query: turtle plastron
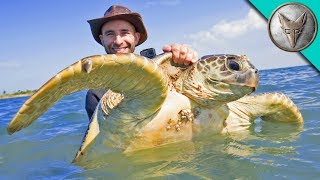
column 185, row 116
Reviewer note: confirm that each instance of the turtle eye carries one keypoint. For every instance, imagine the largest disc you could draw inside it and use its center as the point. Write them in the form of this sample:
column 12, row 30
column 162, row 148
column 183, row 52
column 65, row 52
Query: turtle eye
column 234, row 65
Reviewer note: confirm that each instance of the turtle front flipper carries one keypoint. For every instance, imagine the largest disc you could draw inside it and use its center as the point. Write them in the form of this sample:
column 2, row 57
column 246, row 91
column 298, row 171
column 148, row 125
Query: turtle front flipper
column 269, row 106
column 91, row 133
column 133, row 75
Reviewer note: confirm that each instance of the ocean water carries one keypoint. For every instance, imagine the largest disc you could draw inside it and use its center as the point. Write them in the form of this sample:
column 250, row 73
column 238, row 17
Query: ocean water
column 269, row 150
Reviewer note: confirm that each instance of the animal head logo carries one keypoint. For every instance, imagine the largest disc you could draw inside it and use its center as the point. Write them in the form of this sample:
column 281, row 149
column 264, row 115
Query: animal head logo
column 292, row 29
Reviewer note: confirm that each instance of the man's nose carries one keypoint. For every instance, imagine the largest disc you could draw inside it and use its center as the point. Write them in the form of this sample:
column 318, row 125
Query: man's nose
column 118, row 40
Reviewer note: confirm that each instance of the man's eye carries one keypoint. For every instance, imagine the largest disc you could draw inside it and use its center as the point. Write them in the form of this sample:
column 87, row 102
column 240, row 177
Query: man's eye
column 109, row 34
column 126, row 32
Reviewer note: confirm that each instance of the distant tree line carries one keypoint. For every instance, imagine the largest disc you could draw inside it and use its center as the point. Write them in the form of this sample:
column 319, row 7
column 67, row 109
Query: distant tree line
column 24, row 92
column 20, row 92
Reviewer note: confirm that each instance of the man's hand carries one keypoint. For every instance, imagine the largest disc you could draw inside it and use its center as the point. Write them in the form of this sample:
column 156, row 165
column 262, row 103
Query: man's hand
column 181, row 53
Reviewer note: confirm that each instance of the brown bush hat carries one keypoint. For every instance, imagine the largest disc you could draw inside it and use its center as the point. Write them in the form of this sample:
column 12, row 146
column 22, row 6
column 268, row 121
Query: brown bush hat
column 118, row 12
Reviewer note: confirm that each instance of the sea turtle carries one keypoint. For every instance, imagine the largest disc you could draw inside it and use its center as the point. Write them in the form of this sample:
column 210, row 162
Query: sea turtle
column 155, row 102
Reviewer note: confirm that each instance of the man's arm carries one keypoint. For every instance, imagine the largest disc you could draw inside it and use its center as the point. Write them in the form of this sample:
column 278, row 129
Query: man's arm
column 92, row 99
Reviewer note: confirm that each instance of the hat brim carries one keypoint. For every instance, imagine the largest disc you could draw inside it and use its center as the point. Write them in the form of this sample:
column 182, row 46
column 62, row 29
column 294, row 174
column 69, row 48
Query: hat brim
column 134, row 18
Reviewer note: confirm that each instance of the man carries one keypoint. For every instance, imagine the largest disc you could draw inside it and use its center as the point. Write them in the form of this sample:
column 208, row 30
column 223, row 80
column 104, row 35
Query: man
column 120, row 31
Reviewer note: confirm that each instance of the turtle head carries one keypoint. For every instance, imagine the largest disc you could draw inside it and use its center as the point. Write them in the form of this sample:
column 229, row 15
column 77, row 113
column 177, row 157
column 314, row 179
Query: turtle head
column 219, row 79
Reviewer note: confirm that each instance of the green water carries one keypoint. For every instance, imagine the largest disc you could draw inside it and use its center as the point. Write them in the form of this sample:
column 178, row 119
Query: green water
column 268, row 150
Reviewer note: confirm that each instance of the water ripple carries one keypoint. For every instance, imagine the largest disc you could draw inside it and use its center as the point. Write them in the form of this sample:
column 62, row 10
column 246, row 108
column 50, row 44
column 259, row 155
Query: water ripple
column 266, row 151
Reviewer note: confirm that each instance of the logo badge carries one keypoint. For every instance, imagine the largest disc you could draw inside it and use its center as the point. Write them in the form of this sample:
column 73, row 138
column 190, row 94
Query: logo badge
column 292, row 27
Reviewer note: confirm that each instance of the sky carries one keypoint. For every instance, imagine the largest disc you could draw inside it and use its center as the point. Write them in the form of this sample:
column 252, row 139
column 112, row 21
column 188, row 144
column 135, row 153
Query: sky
column 38, row 38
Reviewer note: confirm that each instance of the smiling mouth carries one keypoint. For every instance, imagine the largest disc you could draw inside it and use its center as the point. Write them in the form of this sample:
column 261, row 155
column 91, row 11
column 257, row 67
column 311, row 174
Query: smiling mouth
column 119, row 49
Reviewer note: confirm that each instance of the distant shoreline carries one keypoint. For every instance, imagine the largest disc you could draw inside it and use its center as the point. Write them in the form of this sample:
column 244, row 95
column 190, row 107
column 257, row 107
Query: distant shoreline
column 8, row 96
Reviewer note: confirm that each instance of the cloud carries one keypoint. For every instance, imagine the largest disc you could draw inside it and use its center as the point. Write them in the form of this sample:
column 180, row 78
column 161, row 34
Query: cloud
column 247, row 35
column 150, row 3
column 230, row 29
column 232, row 36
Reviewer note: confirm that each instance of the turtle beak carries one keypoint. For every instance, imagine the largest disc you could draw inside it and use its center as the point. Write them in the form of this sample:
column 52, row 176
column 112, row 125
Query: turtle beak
column 254, row 81
column 248, row 79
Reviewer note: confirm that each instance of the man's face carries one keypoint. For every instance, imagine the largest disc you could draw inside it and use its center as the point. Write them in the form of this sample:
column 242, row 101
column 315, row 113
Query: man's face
column 119, row 36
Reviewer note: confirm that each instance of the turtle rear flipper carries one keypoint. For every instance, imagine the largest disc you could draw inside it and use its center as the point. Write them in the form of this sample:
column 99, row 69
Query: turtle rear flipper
column 135, row 76
column 269, row 106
